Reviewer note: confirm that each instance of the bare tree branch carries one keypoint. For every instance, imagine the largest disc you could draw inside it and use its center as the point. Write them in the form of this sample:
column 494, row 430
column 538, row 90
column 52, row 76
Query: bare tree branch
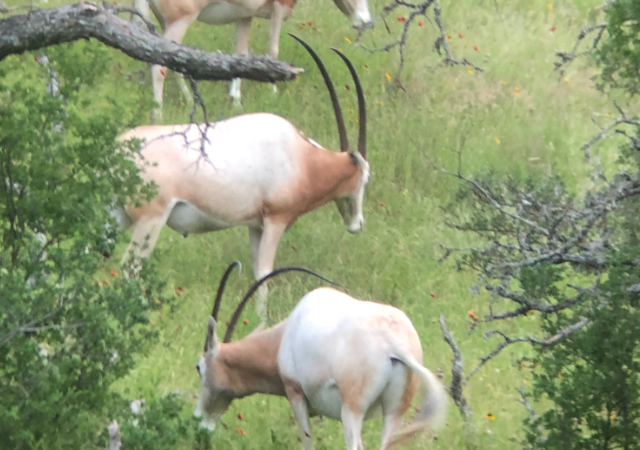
column 567, row 58
column 616, row 122
column 46, row 27
column 532, row 416
column 547, row 342
column 455, row 389
column 416, row 10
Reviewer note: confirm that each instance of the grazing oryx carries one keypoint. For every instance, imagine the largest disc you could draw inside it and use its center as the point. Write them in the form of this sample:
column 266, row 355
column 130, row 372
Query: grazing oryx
column 175, row 16
column 259, row 171
column 334, row 355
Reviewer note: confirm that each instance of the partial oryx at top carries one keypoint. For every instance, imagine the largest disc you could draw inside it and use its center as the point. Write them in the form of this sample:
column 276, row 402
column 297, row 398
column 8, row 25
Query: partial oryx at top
column 175, row 17
column 334, row 355
column 259, row 171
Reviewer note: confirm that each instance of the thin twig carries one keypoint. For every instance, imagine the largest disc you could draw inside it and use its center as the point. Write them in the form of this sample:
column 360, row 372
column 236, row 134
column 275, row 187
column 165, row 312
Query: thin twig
column 416, row 10
column 546, row 342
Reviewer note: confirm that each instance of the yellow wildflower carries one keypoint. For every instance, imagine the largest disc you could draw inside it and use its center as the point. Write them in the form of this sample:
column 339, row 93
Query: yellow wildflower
column 348, row 40
column 388, row 76
column 470, row 72
column 497, row 140
column 490, row 416
column 517, row 90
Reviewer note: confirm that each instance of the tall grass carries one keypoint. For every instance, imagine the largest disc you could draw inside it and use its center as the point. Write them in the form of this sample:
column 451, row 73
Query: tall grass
column 516, row 117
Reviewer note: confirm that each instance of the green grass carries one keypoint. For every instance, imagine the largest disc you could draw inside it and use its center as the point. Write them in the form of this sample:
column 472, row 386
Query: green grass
column 516, row 117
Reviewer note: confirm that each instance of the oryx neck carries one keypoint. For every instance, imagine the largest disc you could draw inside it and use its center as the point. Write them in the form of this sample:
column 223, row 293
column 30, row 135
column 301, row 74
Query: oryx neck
column 250, row 365
column 329, row 175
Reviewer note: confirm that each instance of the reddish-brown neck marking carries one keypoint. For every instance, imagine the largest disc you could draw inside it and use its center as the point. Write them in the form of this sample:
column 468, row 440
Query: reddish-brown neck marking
column 250, row 365
column 326, row 175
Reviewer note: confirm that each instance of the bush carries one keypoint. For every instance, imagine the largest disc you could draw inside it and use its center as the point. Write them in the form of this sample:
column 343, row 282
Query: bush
column 68, row 327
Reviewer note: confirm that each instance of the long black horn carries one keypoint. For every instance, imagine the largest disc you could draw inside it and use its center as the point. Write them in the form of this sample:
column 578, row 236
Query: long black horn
column 342, row 131
column 236, row 315
column 223, row 283
column 362, row 106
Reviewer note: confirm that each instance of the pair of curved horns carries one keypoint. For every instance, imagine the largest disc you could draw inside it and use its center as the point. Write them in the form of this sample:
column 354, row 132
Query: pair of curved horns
column 362, row 108
column 236, row 315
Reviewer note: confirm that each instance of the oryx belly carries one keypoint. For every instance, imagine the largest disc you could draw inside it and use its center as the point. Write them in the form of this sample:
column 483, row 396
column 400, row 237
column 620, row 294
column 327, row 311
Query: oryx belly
column 222, row 13
column 186, row 218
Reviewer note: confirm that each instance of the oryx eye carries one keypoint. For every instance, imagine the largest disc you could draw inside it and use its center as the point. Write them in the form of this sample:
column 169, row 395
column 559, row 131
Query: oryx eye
column 198, row 369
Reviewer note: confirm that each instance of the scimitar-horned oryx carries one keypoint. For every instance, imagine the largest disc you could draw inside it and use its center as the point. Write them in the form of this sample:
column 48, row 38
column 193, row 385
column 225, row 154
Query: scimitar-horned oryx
column 175, row 17
column 334, row 355
column 259, row 171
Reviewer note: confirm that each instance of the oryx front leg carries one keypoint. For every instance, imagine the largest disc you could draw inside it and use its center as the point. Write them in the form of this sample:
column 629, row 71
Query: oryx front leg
column 143, row 8
column 278, row 15
column 186, row 93
column 175, row 32
column 243, row 27
column 271, row 233
column 298, row 403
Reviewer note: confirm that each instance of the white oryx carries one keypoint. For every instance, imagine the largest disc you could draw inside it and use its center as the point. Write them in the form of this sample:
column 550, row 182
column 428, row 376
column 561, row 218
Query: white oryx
column 335, row 356
column 259, row 171
column 175, row 16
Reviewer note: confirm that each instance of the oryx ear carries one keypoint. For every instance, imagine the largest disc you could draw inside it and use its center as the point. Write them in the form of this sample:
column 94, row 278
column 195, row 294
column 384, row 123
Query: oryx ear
column 211, row 344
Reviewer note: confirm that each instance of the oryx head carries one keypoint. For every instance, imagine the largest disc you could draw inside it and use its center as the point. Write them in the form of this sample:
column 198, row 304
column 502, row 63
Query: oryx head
column 356, row 10
column 214, row 399
column 349, row 202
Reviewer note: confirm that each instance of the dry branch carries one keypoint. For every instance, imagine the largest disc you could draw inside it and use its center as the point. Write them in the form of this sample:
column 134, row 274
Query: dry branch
column 533, row 417
column 46, row 27
column 546, row 342
column 455, row 389
column 416, row 10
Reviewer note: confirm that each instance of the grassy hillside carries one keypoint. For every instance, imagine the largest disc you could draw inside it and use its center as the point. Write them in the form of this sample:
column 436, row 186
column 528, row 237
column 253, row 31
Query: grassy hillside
column 516, row 117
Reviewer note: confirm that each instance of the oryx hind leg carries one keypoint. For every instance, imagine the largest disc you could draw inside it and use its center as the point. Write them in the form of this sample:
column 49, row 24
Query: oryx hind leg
column 175, row 31
column 145, row 235
column 396, row 401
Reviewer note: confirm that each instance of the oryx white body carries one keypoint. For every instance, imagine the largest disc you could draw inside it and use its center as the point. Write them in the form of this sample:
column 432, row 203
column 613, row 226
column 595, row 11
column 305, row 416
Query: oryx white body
column 176, row 16
column 338, row 356
column 257, row 170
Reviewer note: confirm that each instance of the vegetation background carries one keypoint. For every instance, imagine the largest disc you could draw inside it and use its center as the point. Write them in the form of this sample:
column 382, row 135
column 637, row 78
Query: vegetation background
column 517, row 117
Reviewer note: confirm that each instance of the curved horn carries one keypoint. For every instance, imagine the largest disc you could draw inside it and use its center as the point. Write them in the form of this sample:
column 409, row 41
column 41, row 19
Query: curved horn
column 342, row 131
column 236, row 315
column 362, row 107
column 223, row 283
